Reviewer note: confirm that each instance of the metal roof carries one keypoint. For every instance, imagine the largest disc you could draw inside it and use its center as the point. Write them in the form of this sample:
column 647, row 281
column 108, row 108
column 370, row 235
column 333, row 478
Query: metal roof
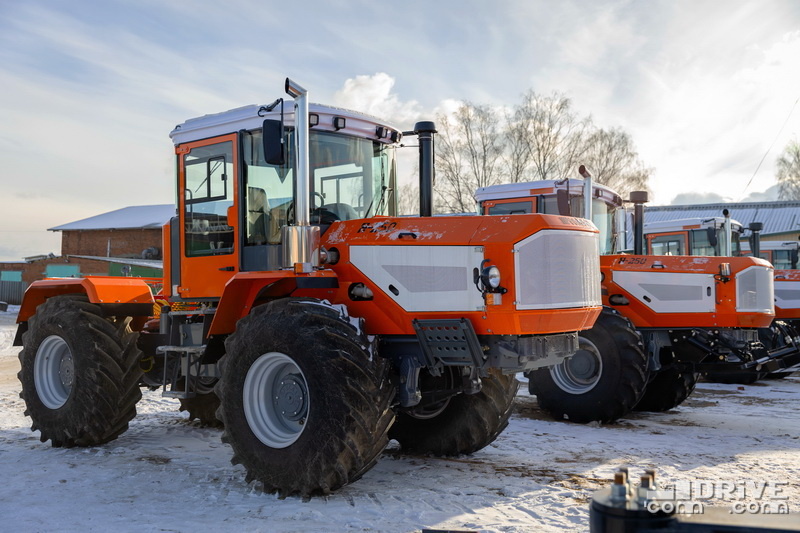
column 149, row 263
column 777, row 217
column 133, row 217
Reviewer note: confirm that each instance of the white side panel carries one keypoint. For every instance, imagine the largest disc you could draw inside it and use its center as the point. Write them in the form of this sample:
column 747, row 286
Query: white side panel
column 668, row 292
column 787, row 294
column 424, row 278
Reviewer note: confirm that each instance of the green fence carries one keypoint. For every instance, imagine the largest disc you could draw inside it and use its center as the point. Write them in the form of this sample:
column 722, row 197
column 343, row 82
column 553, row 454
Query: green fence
column 11, row 291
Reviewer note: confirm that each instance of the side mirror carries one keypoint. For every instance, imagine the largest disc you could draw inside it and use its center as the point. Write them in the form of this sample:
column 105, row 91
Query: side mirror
column 562, row 200
column 712, row 236
column 274, row 147
column 794, row 259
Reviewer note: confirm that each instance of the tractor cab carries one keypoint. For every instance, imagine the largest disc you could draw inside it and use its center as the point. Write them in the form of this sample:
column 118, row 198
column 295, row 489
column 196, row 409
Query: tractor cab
column 715, row 236
column 233, row 204
column 782, row 254
column 560, row 197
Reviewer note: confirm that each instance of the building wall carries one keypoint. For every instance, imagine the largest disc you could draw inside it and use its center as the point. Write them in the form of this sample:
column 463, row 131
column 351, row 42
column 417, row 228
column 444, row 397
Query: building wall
column 783, row 237
column 38, row 269
column 111, row 243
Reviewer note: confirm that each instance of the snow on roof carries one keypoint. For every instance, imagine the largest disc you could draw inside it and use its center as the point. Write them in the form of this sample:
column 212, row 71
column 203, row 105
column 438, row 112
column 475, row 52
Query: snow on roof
column 132, row 217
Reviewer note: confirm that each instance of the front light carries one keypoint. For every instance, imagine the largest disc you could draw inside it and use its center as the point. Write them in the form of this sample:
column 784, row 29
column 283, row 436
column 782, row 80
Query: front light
column 493, row 277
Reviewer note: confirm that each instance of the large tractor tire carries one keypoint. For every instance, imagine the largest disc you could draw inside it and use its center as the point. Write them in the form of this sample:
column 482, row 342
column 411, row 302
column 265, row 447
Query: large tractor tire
column 80, row 373
column 462, row 424
column 305, row 401
column 603, row 381
column 666, row 390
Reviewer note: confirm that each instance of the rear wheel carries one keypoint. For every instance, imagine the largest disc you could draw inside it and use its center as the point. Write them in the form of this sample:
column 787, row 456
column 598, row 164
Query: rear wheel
column 462, row 424
column 79, row 373
column 668, row 389
column 602, row 381
column 304, row 400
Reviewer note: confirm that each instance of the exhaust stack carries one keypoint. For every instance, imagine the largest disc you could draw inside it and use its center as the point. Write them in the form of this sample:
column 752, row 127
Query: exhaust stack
column 587, row 192
column 301, row 241
column 727, row 248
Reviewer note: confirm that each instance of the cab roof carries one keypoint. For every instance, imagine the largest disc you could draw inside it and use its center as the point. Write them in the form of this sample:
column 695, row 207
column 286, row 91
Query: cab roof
column 539, row 187
column 682, row 224
column 251, row 117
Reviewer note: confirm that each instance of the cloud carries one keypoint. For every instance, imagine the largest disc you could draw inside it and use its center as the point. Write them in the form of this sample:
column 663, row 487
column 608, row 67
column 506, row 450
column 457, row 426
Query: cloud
column 770, row 195
column 372, row 94
column 689, row 198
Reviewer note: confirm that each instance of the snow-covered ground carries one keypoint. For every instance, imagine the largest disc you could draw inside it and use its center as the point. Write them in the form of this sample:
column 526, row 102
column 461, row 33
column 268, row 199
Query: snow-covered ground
column 168, row 474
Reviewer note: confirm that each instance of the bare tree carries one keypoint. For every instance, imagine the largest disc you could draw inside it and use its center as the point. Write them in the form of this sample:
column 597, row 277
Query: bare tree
column 546, row 139
column 611, row 157
column 468, row 151
column 408, row 199
column 789, row 172
column 541, row 138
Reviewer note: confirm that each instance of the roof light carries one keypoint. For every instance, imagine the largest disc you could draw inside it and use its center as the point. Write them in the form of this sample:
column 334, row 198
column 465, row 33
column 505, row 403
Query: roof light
column 313, row 120
column 338, row 123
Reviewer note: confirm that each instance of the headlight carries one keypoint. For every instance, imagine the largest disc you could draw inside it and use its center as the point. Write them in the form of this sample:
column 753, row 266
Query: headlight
column 492, row 277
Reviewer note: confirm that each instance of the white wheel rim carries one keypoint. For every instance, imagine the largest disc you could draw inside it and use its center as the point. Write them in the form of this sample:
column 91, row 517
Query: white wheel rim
column 53, row 372
column 276, row 400
column 580, row 373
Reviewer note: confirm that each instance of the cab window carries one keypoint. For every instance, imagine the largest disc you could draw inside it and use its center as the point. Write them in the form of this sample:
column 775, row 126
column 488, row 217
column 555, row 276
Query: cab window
column 511, row 208
column 269, row 192
column 668, row 245
column 208, row 193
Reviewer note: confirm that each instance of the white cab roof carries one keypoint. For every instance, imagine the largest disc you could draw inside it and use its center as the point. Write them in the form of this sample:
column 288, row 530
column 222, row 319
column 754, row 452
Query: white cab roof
column 534, row 188
column 252, row 117
column 682, row 224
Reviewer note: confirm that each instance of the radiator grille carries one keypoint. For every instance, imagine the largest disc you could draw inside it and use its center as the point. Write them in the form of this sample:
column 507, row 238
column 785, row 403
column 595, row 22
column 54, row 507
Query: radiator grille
column 557, row 269
column 755, row 290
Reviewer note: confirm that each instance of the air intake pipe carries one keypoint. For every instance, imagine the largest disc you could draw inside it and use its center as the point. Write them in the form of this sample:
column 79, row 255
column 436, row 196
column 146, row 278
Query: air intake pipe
column 638, row 199
column 427, row 174
column 755, row 238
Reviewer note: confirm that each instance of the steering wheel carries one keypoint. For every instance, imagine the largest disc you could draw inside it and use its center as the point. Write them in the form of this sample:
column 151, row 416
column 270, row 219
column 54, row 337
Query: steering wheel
column 318, row 214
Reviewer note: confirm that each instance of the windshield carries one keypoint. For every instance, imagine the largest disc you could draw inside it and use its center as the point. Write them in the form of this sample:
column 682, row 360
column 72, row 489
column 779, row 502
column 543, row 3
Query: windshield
column 784, row 259
column 351, row 178
column 702, row 246
column 603, row 217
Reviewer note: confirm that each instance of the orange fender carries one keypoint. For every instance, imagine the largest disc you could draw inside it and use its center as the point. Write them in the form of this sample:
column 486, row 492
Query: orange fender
column 106, row 290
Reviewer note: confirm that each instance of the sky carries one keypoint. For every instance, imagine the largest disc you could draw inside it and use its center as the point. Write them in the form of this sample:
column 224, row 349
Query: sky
column 89, row 91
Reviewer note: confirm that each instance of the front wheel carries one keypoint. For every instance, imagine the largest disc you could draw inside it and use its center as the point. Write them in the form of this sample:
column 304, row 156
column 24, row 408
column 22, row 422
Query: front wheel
column 305, row 401
column 602, row 381
column 462, row 424
column 79, row 373
column 667, row 389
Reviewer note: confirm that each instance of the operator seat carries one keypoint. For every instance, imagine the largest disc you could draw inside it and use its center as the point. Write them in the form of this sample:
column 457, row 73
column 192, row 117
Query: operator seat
column 257, row 216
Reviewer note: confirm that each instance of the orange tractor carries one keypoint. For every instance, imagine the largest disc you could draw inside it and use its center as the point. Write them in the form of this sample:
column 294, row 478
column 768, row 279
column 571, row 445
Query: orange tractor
column 721, row 236
column 318, row 322
column 665, row 319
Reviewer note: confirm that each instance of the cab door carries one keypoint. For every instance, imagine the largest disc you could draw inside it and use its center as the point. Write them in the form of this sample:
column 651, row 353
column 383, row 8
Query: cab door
column 207, row 191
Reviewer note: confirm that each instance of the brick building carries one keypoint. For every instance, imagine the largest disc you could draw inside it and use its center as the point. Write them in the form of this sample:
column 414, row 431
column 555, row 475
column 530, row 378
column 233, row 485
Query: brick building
column 125, row 241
